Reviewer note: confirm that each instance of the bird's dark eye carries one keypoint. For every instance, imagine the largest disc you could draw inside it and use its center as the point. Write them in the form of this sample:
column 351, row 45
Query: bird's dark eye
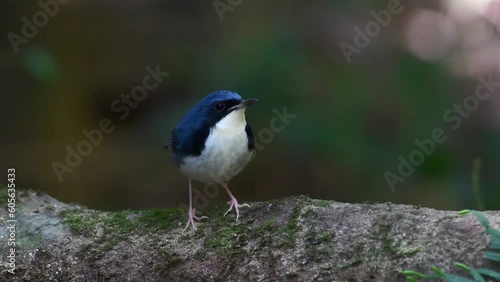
column 220, row 107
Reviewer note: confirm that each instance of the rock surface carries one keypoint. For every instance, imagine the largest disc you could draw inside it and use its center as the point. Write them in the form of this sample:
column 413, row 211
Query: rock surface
column 292, row 239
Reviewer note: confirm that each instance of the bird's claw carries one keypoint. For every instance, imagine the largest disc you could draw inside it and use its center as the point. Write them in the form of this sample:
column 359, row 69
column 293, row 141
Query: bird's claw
column 234, row 204
column 192, row 217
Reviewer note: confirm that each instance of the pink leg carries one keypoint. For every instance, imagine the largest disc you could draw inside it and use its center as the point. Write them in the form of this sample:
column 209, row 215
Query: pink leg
column 192, row 212
column 233, row 203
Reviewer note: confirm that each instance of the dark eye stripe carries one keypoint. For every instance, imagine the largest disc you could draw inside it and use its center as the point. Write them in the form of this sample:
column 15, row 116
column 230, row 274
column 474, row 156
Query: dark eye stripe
column 231, row 103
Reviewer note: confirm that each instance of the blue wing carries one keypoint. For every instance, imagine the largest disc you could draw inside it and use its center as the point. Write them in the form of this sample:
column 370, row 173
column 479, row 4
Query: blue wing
column 251, row 138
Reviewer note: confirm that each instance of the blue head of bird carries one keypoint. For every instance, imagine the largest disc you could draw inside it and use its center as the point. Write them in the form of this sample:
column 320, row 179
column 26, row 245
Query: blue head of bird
column 213, row 139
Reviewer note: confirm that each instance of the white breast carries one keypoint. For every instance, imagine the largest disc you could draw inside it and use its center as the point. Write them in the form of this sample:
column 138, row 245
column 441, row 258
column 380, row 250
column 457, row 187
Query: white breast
column 225, row 154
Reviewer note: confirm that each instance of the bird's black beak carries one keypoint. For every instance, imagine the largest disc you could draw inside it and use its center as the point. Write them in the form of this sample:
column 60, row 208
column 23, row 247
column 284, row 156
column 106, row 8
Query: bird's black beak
column 243, row 104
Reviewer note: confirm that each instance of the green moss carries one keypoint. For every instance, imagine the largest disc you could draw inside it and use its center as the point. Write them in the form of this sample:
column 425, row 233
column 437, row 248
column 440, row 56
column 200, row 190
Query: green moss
column 323, row 250
column 411, row 251
column 226, row 235
column 160, row 219
column 214, row 242
column 79, row 222
column 290, row 230
column 108, row 244
column 310, row 211
column 322, row 244
column 391, row 246
column 318, row 245
column 266, row 226
column 217, row 216
column 95, row 250
column 321, row 203
column 351, row 263
column 357, row 261
column 172, row 261
column 226, row 238
column 382, row 232
column 327, row 236
column 388, row 248
column 20, row 193
column 292, row 226
column 119, row 222
column 116, row 226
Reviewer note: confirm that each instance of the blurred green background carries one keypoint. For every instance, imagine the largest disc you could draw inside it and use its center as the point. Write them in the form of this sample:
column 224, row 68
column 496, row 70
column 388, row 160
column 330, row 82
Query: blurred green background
column 353, row 119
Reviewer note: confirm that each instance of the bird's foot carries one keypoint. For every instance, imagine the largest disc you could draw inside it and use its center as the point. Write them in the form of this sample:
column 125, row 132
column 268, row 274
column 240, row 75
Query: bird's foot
column 234, row 204
column 192, row 217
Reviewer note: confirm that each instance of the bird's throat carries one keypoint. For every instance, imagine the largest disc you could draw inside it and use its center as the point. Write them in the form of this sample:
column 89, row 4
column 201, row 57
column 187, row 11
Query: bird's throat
column 232, row 123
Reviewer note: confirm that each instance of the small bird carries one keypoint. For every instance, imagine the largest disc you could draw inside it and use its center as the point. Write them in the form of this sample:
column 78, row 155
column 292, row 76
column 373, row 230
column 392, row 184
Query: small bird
column 212, row 143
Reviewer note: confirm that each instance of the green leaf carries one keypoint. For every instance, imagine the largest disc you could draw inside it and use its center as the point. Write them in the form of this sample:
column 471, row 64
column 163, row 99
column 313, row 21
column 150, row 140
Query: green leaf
column 476, row 275
column 492, row 256
column 456, row 278
column 413, row 273
column 411, row 279
column 463, row 212
column 438, row 271
column 495, row 233
column 433, row 276
column 495, row 243
column 482, row 218
column 489, row 272
column 462, row 266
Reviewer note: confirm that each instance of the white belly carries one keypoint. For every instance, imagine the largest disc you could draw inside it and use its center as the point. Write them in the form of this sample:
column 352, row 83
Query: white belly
column 225, row 154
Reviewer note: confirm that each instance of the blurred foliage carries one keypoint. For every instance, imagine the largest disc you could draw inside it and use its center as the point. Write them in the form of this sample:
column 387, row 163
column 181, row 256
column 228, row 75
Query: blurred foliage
column 353, row 120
